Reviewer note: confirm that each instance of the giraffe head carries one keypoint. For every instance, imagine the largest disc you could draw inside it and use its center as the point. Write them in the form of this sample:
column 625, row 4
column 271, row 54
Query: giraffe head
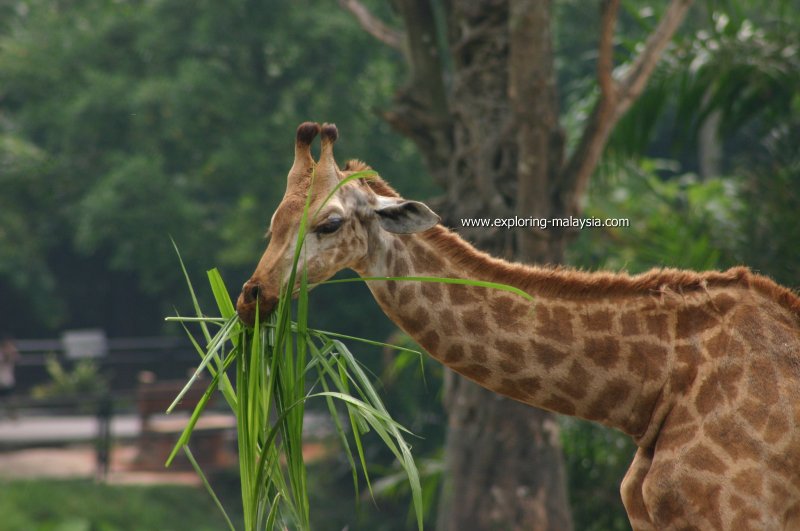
column 339, row 231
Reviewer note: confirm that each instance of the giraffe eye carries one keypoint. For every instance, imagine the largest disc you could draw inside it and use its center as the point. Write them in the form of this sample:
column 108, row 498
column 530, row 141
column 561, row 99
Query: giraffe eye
column 330, row 225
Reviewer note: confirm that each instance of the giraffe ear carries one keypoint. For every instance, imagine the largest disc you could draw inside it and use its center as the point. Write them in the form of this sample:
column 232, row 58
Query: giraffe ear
column 405, row 217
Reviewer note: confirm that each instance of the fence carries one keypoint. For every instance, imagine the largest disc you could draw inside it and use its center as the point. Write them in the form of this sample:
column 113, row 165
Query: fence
column 168, row 359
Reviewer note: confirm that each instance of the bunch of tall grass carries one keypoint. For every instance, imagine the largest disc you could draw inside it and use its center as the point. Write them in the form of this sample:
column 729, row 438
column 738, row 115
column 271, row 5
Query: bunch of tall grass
column 278, row 366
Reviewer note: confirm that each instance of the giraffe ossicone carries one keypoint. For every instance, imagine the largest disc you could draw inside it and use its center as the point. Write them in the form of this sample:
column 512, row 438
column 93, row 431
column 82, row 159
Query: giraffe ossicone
column 702, row 370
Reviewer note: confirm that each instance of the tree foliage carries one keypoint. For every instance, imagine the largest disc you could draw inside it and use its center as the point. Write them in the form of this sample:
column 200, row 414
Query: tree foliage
column 124, row 123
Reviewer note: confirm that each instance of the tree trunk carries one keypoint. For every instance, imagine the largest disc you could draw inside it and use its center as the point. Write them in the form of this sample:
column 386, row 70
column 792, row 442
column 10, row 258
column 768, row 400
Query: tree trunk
column 504, row 468
column 492, row 139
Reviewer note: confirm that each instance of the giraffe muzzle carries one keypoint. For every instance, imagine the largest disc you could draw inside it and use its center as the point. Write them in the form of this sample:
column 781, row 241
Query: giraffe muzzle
column 254, row 296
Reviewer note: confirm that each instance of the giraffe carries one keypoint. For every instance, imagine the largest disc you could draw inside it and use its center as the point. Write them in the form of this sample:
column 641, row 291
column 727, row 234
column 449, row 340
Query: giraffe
column 702, row 370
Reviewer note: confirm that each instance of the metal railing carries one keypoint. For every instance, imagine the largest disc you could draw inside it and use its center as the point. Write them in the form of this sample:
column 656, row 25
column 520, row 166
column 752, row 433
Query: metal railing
column 167, row 357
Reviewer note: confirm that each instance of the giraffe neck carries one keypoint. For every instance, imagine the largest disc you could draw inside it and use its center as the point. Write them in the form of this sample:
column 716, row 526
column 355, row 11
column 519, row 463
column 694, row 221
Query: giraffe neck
column 573, row 351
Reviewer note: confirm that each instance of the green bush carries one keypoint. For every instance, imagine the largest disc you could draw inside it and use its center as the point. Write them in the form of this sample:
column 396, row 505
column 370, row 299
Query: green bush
column 83, row 380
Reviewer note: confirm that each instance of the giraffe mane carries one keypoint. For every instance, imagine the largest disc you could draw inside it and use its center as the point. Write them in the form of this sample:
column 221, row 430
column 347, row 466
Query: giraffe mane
column 567, row 282
column 375, row 183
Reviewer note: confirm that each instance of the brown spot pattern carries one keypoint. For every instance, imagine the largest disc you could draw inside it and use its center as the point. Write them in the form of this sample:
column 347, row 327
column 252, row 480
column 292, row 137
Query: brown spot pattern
column 391, row 286
column 478, row 353
column 597, row 321
column 754, row 412
column 575, row 385
column 454, row 353
column 669, row 507
column 652, row 354
column 702, row 458
column 763, row 381
column 749, row 482
column 777, row 427
column 509, row 349
column 514, row 389
column 637, row 365
column 448, row 321
column 428, row 259
column 688, row 354
column 728, row 376
column 460, row 294
column 430, row 340
column 432, row 291
column 630, row 324
column 708, row 395
column 400, row 268
column 657, row 325
column 679, row 429
column 475, row 321
column 718, row 344
column 604, row 351
column 735, row 442
column 723, row 303
column 707, row 497
column 417, row 323
column 475, row 371
column 531, row 383
column 406, row 295
column 683, row 377
column 510, row 366
column 507, row 315
column 547, row 355
column 553, row 323
column 693, row 320
column 559, row 404
column 612, row 396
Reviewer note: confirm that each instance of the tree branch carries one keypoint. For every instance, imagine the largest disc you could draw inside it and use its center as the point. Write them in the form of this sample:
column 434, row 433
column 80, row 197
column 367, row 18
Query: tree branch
column 605, row 58
column 421, row 107
column 632, row 85
column 615, row 97
column 373, row 25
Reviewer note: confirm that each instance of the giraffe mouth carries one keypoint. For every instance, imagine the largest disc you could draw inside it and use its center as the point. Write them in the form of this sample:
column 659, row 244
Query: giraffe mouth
column 246, row 308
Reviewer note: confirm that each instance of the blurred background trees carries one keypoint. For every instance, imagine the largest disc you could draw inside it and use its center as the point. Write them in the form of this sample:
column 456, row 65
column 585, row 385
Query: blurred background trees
column 125, row 123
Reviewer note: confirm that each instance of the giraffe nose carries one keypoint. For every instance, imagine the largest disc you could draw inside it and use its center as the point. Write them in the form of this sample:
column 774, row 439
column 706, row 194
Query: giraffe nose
column 254, row 294
column 250, row 291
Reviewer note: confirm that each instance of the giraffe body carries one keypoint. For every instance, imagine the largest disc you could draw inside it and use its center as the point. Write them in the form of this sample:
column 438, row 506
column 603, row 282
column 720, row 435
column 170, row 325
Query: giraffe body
column 701, row 369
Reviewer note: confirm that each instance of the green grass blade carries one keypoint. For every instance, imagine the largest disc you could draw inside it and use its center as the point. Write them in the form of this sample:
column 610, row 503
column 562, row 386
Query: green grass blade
column 273, row 513
column 325, row 333
column 442, row 280
column 227, row 389
column 207, row 485
column 195, row 302
column 187, row 431
column 224, row 302
column 404, row 455
column 226, row 309
column 213, row 348
column 219, row 321
column 324, row 368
